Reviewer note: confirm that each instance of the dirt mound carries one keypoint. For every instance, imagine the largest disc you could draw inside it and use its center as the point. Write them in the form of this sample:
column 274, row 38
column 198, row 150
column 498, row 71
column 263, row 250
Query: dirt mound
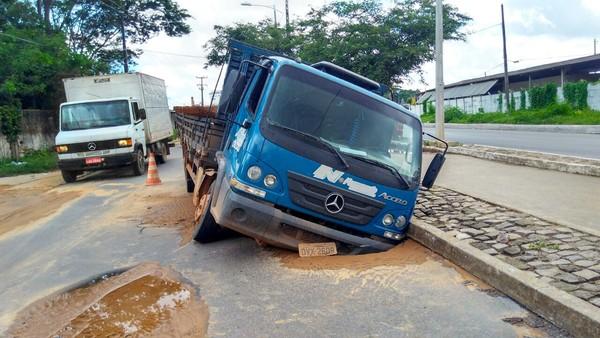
column 407, row 253
column 147, row 300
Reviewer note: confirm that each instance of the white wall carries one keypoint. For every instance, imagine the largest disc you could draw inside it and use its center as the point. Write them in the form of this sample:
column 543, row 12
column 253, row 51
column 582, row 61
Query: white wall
column 489, row 103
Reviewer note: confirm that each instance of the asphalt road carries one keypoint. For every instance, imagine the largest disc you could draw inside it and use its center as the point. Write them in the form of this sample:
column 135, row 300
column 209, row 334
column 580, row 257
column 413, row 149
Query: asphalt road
column 250, row 291
column 583, row 145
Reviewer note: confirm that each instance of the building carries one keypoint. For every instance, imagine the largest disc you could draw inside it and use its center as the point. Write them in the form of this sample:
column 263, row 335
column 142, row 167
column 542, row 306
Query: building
column 584, row 68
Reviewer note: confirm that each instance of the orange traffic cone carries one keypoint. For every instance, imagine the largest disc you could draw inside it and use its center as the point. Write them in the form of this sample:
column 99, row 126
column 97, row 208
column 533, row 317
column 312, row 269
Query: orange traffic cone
column 153, row 178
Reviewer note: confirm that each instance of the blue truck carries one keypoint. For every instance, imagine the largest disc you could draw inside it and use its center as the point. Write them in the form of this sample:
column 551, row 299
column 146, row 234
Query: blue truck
column 300, row 153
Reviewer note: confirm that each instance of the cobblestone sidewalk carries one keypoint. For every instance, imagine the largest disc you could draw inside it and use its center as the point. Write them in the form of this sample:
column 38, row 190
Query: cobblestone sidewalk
column 565, row 258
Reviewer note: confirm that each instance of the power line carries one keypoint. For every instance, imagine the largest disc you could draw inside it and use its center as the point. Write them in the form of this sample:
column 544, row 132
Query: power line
column 483, row 29
column 174, row 54
column 21, row 39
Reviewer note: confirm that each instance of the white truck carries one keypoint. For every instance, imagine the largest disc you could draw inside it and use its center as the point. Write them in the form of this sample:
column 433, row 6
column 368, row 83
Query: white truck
column 112, row 121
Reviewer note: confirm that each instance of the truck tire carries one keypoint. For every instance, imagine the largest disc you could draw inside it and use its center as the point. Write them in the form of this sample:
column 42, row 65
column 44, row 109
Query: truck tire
column 138, row 165
column 162, row 150
column 207, row 230
column 69, row 176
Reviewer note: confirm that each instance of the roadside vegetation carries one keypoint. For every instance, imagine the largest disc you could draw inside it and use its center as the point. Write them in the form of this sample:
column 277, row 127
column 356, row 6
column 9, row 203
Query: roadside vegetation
column 31, row 162
column 557, row 113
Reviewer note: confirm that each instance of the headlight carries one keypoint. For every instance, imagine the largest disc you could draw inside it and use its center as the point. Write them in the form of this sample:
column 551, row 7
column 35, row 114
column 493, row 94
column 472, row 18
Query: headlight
column 270, row 181
column 400, row 221
column 254, row 173
column 126, row 142
column 62, row 149
column 246, row 188
column 387, row 220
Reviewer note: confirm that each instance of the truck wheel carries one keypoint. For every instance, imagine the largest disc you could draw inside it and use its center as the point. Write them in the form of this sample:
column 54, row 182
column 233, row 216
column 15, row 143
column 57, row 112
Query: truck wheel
column 162, row 149
column 138, row 166
column 69, row 176
column 207, row 230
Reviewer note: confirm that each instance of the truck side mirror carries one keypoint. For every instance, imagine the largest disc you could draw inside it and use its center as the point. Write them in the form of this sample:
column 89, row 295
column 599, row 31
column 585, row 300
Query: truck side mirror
column 246, row 124
column 434, row 169
column 142, row 114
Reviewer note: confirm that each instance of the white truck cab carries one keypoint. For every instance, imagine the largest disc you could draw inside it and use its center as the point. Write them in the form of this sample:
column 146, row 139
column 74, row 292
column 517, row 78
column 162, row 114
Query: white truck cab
column 100, row 129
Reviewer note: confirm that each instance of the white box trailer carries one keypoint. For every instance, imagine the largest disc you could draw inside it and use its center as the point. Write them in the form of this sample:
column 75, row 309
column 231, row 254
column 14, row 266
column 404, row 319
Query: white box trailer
column 112, row 121
column 149, row 90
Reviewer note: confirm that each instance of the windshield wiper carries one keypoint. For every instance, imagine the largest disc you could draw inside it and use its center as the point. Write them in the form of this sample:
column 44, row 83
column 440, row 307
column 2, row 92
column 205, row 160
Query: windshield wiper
column 382, row 165
column 316, row 139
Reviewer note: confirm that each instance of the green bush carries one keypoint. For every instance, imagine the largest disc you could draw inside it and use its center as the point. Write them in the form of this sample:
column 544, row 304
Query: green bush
column 523, row 101
column 500, row 94
column 543, row 96
column 453, row 114
column 37, row 161
column 512, row 102
column 576, row 94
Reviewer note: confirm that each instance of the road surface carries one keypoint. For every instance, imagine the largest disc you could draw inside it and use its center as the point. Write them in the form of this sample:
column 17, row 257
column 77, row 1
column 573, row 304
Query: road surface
column 113, row 222
column 582, row 145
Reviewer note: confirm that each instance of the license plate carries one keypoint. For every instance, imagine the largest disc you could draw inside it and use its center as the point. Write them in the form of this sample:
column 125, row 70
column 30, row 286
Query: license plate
column 317, row 249
column 93, row 160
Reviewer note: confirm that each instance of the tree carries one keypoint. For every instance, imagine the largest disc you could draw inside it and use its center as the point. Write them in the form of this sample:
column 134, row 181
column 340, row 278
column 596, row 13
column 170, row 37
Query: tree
column 93, row 27
column 384, row 44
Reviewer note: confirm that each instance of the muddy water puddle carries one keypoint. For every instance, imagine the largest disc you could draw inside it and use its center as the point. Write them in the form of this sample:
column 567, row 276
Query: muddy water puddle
column 147, row 300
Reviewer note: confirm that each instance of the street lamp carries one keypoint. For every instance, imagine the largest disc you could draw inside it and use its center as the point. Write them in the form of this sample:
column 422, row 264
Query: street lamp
column 266, row 6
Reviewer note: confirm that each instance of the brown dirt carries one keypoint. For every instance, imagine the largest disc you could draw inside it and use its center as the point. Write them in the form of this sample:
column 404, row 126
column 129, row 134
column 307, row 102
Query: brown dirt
column 165, row 210
column 26, row 204
column 147, row 300
column 407, row 253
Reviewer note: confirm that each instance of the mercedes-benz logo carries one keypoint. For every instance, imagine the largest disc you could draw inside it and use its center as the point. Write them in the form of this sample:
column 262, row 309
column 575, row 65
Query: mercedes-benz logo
column 91, row 146
column 334, row 203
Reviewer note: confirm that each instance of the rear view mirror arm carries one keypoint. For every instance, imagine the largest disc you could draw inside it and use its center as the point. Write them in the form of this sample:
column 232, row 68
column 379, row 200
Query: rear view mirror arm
column 438, row 139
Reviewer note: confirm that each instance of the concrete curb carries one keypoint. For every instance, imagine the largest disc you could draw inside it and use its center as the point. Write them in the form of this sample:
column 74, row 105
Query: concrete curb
column 551, row 128
column 564, row 310
column 525, row 158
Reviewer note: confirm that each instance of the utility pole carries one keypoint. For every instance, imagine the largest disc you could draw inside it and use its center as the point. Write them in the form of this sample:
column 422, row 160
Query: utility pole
column 506, row 95
column 125, row 63
column 595, row 41
column 439, row 70
column 201, row 86
column 287, row 17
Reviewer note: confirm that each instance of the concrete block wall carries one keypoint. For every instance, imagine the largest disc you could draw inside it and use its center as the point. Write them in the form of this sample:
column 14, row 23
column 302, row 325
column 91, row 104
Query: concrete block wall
column 39, row 127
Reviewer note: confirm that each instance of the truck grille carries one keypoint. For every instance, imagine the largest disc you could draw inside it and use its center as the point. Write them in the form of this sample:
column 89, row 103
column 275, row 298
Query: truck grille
column 98, row 145
column 311, row 193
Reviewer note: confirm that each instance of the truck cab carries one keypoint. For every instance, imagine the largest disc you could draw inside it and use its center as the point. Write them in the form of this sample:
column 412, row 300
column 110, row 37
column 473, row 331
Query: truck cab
column 100, row 134
column 311, row 153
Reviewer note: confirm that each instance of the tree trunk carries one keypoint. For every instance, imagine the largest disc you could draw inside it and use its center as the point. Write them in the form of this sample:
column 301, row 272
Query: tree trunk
column 14, row 151
column 39, row 7
column 47, row 6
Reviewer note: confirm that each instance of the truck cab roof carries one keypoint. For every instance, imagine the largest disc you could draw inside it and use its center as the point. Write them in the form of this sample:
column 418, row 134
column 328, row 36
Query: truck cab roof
column 98, row 100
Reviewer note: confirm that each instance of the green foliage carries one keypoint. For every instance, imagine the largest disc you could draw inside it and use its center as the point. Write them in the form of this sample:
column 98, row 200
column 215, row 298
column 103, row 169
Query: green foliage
column 385, row 44
column 513, row 104
column 499, row 99
column 576, row 93
column 33, row 162
column 10, row 122
column 480, row 109
column 93, row 28
column 558, row 113
column 542, row 96
column 452, row 113
column 523, row 101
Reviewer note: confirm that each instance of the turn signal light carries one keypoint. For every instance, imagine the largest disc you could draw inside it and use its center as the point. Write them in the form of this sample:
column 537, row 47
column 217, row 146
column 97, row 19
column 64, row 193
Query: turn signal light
column 62, row 149
column 126, row 142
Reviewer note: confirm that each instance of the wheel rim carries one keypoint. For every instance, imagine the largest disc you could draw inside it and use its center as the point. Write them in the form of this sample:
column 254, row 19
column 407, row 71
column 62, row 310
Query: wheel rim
column 140, row 161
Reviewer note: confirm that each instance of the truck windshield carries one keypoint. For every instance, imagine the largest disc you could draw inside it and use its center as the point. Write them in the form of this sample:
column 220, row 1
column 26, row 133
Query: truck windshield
column 90, row 115
column 357, row 125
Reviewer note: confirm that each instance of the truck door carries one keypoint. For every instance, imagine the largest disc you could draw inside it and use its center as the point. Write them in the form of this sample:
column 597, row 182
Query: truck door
column 139, row 133
column 247, row 110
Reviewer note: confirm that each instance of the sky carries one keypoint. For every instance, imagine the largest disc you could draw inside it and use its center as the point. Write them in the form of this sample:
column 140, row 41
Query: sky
column 538, row 32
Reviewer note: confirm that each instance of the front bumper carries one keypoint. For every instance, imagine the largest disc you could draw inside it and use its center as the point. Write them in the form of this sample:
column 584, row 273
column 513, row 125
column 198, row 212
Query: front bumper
column 109, row 161
column 265, row 222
